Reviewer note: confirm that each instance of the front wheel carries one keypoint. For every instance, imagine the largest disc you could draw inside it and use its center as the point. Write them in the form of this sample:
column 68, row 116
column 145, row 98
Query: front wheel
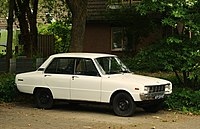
column 123, row 104
column 43, row 98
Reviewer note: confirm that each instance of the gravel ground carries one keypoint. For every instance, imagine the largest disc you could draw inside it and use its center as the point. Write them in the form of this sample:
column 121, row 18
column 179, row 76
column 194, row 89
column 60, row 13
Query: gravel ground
column 64, row 116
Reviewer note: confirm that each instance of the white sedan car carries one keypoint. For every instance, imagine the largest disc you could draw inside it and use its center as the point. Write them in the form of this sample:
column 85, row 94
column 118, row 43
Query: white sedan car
column 93, row 77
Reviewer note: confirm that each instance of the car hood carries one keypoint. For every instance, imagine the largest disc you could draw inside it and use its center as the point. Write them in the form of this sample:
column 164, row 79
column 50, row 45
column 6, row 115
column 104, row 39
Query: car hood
column 139, row 79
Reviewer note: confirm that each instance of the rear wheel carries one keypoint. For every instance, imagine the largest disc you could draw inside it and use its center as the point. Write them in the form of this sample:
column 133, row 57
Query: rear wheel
column 43, row 98
column 123, row 104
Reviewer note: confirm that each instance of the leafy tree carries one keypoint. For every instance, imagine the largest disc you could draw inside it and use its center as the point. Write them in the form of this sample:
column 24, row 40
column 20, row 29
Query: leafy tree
column 56, row 10
column 59, row 25
column 180, row 49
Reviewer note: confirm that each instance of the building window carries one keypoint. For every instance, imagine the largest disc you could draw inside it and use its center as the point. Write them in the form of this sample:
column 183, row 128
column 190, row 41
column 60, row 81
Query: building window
column 118, row 40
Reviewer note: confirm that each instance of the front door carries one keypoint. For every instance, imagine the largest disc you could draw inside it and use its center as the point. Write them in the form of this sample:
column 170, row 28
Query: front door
column 86, row 81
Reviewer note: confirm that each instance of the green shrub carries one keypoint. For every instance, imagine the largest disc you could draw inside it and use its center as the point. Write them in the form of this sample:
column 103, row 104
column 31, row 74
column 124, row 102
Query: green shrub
column 184, row 100
column 147, row 60
column 8, row 90
column 62, row 33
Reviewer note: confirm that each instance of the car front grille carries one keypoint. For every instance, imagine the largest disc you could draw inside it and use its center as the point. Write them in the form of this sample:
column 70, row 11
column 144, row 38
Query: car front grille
column 156, row 88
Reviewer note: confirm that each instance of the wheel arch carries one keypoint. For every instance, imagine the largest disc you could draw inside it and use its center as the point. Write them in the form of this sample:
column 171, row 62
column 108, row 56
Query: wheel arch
column 38, row 88
column 117, row 92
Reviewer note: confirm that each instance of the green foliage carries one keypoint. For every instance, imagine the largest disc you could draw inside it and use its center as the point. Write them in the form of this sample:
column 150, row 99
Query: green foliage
column 60, row 19
column 173, row 12
column 62, row 33
column 180, row 51
column 4, row 8
column 174, row 57
column 8, row 90
column 147, row 60
column 184, row 100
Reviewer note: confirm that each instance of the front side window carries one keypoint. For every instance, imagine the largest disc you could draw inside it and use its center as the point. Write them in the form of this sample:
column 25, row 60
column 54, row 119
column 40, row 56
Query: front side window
column 61, row 66
column 111, row 65
column 85, row 67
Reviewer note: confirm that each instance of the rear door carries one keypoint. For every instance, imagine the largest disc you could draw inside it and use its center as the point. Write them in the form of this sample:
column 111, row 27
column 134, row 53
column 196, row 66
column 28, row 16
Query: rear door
column 58, row 76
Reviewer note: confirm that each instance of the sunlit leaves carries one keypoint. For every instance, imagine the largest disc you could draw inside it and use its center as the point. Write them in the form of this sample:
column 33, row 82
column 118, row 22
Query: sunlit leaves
column 170, row 40
column 169, row 22
column 3, row 8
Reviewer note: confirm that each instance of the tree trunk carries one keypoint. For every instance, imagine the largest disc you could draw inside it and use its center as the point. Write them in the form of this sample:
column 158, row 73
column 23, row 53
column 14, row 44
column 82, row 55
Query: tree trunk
column 32, row 18
column 186, row 79
column 20, row 11
column 79, row 13
column 10, row 34
column 27, row 21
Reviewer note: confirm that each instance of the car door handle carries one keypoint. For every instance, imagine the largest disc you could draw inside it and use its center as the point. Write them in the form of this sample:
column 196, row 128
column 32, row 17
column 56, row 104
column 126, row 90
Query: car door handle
column 74, row 77
column 47, row 75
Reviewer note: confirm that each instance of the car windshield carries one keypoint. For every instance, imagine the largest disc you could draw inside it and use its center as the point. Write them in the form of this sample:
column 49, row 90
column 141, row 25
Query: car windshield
column 111, row 65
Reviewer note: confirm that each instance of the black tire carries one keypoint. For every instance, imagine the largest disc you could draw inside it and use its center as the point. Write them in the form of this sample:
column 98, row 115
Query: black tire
column 153, row 108
column 43, row 99
column 123, row 104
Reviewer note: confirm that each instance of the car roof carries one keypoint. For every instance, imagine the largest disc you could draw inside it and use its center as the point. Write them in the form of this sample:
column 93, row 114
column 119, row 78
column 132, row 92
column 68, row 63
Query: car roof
column 75, row 55
column 83, row 55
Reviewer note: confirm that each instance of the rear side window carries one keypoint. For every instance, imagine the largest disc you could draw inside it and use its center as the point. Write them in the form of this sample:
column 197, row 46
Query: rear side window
column 61, row 66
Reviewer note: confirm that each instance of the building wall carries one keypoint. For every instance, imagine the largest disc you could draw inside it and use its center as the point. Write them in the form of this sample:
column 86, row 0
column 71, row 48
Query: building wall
column 97, row 38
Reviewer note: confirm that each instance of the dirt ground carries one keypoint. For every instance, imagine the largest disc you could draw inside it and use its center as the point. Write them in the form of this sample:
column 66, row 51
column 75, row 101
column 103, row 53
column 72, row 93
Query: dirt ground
column 64, row 116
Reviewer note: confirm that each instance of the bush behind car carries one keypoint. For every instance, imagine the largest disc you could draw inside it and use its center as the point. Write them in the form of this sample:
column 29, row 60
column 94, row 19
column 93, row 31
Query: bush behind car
column 8, row 90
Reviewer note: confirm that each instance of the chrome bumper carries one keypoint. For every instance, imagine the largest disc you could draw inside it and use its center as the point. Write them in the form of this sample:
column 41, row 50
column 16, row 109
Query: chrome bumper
column 152, row 96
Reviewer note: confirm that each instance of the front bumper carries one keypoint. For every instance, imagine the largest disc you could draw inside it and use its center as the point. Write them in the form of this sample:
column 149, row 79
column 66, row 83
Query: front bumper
column 152, row 96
